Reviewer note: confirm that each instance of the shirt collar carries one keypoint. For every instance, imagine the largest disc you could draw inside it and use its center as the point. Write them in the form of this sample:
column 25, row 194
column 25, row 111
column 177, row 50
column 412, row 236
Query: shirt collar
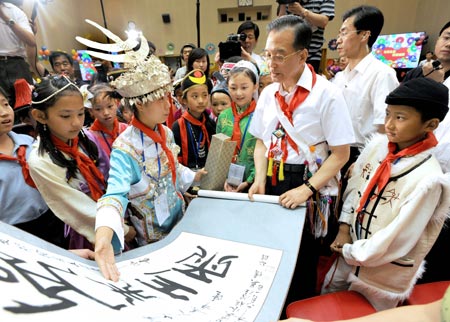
column 304, row 81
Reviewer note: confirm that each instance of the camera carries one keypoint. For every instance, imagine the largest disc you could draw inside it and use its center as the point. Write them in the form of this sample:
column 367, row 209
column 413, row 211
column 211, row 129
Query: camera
column 231, row 47
column 237, row 37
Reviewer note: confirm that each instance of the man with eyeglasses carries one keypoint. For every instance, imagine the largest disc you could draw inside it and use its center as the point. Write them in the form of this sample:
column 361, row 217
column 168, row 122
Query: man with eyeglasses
column 366, row 81
column 303, row 132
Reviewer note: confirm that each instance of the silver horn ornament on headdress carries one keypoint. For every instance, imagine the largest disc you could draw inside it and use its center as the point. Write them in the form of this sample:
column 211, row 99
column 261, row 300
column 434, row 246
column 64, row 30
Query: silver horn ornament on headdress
column 129, row 56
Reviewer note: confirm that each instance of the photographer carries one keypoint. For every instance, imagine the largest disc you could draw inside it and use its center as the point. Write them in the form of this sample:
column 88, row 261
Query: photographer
column 241, row 44
column 317, row 13
column 251, row 31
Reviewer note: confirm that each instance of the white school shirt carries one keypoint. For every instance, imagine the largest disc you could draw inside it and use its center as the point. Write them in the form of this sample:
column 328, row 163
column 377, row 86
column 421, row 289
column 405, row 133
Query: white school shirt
column 10, row 44
column 323, row 116
column 365, row 89
column 443, row 136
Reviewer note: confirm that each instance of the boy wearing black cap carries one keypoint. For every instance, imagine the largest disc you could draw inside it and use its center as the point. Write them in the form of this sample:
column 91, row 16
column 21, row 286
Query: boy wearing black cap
column 396, row 201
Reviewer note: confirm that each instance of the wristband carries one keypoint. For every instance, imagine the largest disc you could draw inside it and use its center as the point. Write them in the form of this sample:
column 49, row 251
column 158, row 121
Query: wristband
column 311, row 187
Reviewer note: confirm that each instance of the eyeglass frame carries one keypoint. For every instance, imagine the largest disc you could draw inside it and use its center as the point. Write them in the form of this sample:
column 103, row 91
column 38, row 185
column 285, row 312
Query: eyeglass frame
column 280, row 57
column 343, row 34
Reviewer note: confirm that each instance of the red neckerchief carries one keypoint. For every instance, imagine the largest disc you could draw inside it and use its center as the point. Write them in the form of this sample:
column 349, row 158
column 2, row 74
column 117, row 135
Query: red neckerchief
column 85, row 164
column 22, row 160
column 186, row 116
column 237, row 119
column 98, row 126
column 383, row 173
column 300, row 96
column 160, row 138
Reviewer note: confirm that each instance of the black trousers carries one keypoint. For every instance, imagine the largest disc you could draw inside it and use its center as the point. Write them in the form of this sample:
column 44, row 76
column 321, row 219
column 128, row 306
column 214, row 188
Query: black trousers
column 47, row 227
column 304, row 280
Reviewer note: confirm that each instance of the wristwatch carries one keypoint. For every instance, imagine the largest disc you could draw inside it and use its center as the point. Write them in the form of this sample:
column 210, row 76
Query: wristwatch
column 11, row 22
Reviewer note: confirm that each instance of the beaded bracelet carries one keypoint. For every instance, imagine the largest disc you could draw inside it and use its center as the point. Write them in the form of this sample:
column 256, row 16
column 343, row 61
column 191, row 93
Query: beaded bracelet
column 311, row 187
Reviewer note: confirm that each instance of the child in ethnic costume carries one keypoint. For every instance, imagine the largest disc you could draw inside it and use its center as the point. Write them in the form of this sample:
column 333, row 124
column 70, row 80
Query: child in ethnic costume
column 396, row 200
column 106, row 126
column 144, row 168
column 235, row 122
column 194, row 129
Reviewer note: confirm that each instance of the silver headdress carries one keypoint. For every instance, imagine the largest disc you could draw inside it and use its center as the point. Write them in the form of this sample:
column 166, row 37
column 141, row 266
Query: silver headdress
column 145, row 79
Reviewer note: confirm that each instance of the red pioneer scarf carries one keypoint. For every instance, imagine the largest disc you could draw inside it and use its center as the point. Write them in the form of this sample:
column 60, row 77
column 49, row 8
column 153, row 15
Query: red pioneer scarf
column 237, row 119
column 98, row 126
column 85, row 164
column 383, row 173
column 300, row 96
column 21, row 159
column 186, row 116
column 160, row 138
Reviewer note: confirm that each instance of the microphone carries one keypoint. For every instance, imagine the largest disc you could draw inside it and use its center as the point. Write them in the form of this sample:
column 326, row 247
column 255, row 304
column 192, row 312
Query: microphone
column 436, row 64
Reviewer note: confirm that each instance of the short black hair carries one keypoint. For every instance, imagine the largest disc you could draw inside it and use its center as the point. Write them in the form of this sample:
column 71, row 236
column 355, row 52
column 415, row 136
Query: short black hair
column 249, row 25
column 445, row 27
column 302, row 30
column 3, row 92
column 367, row 18
column 56, row 54
column 195, row 54
column 187, row 45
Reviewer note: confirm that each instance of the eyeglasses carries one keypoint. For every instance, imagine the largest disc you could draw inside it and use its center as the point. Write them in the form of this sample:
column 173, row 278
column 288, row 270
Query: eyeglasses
column 343, row 34
column 278, row 59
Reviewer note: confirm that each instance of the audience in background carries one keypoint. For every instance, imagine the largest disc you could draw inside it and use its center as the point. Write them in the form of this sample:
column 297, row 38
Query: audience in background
column 184, row 52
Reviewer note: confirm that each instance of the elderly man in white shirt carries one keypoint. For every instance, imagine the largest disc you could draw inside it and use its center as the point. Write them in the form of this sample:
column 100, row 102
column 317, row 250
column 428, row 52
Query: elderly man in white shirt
column 303, row 132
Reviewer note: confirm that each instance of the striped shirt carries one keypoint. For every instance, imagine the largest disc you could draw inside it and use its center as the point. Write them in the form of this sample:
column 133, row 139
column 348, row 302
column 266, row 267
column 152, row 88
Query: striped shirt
column 323, row 7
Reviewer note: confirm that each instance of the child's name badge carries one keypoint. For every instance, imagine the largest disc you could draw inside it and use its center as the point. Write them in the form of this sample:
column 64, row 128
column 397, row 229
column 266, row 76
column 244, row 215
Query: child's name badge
column 162, row 208
column 235, row 174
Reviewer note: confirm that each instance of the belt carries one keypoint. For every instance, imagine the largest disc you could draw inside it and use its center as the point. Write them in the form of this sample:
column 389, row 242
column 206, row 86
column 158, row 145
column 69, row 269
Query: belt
column 294, row 168
column 10, row 57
